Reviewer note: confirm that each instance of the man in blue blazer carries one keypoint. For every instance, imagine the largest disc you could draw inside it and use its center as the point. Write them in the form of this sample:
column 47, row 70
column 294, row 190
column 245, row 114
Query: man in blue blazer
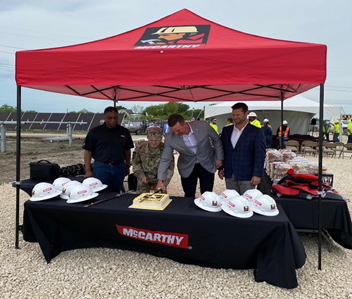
column 244, row 150
column 200, row 150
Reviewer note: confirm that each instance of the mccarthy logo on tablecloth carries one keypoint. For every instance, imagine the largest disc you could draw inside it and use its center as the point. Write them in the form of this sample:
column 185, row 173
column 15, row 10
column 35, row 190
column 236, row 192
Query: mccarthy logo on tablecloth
column 165, row 238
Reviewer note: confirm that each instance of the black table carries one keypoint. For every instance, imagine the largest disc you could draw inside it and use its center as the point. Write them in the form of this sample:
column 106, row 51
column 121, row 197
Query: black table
column 182, row 232
column 303, row 214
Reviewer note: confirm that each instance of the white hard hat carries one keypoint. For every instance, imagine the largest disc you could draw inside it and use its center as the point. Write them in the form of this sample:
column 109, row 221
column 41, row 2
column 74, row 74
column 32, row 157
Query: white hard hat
column 43, row 191
column 238, row 206
column 252, row 114
column 67, row 188
column 59, row 183
column 81, row 193
column 265, row 205
column 251, row 194
column 285, row 122
column 265, row 120
column 227, row 194
column 95, row 184
column 208, row 201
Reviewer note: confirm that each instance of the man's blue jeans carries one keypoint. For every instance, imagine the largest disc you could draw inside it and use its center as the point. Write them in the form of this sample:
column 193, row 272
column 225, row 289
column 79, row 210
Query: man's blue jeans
column 111, row 175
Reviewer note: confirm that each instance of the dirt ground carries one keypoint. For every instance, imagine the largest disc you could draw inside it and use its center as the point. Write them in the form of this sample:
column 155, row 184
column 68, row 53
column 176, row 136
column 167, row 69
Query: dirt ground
column 34, row 148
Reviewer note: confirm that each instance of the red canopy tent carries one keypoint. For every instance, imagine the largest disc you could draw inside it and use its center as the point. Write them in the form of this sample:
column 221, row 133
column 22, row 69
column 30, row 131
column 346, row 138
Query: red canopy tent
column 182, row 57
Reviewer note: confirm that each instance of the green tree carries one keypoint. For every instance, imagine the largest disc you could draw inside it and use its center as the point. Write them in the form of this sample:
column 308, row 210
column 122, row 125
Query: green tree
column 137, row 108
column 182, row 108
column 7, row 108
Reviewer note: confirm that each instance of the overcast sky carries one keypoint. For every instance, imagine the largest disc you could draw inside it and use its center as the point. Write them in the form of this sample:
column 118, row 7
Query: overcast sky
column 36, row 24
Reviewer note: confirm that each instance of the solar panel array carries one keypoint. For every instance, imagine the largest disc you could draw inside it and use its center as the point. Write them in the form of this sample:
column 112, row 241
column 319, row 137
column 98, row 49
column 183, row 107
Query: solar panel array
column 54, row 121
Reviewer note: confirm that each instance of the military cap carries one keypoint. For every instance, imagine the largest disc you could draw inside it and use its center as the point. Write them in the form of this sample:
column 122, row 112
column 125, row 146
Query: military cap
column 154, row 133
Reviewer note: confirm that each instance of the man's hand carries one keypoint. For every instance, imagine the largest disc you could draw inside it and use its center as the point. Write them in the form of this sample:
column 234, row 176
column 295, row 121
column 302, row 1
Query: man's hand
column 255, row 180
column 144, row 180
column 221, row 174
column 219, row 163
column 89, row 174
column 160, row 185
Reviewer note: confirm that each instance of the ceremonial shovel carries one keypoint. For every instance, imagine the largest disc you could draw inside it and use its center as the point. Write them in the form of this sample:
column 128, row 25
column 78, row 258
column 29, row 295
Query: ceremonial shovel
column 105, row 199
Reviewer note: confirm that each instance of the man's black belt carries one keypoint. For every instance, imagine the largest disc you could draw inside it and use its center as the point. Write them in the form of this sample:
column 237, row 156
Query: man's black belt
column 114, row 162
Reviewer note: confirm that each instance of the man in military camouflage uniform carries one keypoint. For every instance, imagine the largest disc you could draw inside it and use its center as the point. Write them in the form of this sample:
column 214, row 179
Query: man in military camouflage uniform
column 146, row 161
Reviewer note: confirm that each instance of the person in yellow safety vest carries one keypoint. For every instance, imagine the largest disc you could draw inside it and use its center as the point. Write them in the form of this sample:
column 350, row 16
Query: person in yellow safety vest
column 252, row 117
column 229, row 122
column 349, row 131
column 326, row 130
column 336, row 131
column 213, row 125
column 285, row 130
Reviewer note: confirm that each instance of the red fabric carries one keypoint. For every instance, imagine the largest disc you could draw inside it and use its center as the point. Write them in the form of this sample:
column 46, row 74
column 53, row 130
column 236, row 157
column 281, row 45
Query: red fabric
column 226, row 65
column 285, row 190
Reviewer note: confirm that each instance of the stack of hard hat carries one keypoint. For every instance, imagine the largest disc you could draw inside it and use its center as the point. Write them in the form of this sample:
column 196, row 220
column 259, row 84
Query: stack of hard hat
column 237, row 206
column 67, row 188
column 251, row 195
column 265, row 205
column 226, row 195
column 81, row 193
column 60, row 182
column 208, row 201
column 95, row 184
column 44, row 191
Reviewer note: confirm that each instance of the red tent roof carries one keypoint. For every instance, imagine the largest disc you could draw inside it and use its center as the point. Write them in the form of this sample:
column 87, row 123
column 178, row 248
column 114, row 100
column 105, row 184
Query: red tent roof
column 182, row 57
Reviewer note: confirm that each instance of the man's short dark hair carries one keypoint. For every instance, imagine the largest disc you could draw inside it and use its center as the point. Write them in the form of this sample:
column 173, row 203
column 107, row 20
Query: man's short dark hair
column 110, row 109
column 230, row 119
column 174, row 119
column 242, row 106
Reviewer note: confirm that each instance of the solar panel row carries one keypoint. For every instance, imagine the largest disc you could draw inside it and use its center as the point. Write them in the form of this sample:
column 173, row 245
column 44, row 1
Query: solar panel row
column 53, row 121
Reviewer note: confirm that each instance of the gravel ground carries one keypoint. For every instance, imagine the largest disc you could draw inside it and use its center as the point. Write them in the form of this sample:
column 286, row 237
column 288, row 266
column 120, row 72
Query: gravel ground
column 111, row 273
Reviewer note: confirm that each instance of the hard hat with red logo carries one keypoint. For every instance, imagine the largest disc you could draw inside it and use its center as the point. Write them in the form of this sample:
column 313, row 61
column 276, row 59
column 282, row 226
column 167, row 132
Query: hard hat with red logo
column 251, row 194
column 60, row 182
column 67, row 188
column 265, row 205
column 227, row 194
column 238, row 206
column 208, row 201
column 44, row 191
column 81, row 193
column 95, row 184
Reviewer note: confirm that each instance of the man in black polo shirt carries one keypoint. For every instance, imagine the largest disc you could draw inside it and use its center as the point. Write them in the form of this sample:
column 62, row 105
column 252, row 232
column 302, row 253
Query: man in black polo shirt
column 110, row 146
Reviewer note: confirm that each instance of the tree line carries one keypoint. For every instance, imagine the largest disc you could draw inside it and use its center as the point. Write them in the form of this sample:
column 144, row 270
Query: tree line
column 160, row 111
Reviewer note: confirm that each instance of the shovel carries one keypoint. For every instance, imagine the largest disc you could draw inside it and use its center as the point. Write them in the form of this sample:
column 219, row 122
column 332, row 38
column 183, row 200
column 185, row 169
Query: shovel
column 106, row 199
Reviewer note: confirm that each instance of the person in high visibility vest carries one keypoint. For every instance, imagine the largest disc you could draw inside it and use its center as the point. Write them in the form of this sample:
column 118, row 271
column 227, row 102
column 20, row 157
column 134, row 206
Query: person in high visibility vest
column 349, row 131
column 252, row 117
column 336, row 131
column 285, row 131
column 213, row 125
column 229, row 122
column 326, row 130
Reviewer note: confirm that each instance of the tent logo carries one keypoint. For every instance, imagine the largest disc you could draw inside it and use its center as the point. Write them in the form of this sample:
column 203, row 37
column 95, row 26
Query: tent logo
column 188, row 36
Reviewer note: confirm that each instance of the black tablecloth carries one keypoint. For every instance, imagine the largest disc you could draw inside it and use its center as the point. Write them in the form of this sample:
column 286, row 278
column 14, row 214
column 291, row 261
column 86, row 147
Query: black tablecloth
column 182, row 232
column 303, row 213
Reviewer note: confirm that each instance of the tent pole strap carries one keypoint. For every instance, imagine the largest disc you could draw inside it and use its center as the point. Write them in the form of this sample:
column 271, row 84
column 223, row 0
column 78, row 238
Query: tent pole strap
column 282, row 119
column 320, row 170
column 18, row 164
